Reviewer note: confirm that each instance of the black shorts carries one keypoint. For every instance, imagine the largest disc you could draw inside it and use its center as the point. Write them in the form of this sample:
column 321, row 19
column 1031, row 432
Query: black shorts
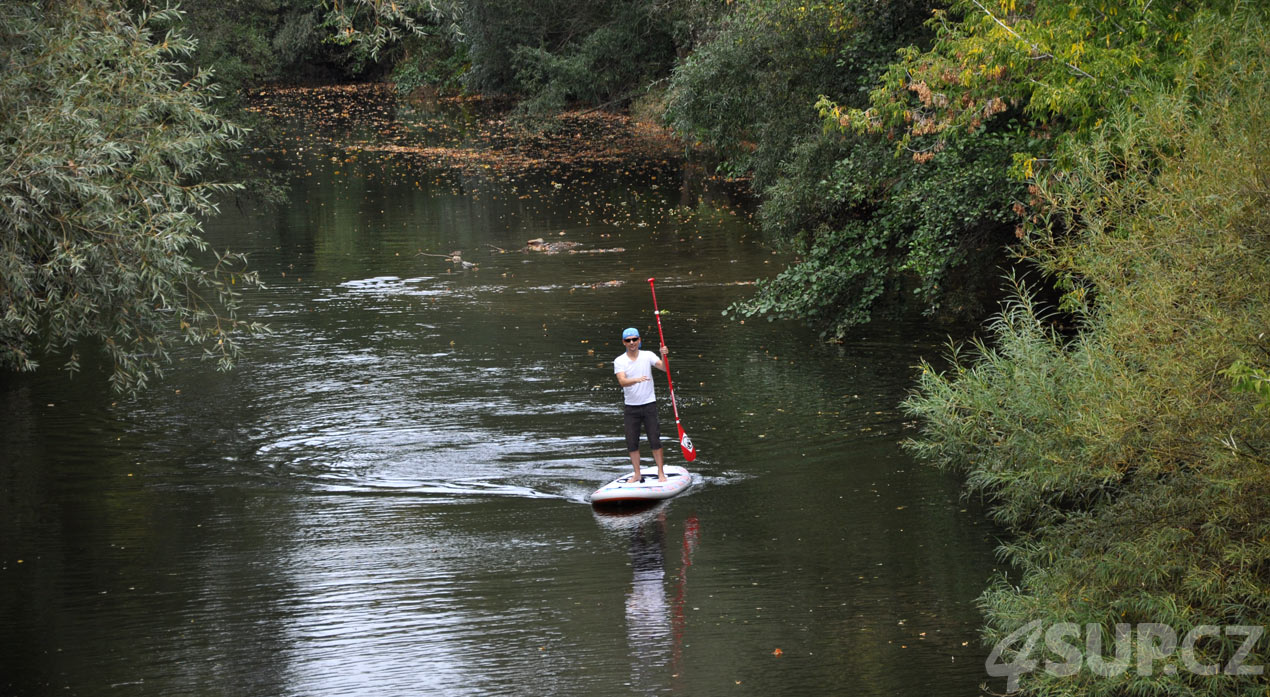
column 645, row 414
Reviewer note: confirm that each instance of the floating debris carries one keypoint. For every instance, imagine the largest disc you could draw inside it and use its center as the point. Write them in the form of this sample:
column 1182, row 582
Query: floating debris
column 455, row 257
column 369, row 118
column 538, row 244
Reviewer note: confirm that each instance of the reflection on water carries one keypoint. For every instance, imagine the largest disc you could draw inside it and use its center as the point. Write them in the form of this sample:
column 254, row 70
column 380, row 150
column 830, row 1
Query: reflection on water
column 655, row 616
column 647, row 612
column 388, row 496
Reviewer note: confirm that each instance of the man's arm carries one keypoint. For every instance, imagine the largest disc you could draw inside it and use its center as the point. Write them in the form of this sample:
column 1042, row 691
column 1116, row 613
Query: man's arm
column 659, row 363
column 627, row 382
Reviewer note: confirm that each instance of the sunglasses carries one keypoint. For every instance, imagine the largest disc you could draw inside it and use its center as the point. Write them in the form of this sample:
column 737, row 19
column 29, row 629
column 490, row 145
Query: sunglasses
column 630, row 340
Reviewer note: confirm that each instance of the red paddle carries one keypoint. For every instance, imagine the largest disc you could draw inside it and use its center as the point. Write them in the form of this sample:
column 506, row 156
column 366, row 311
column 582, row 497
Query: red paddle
column 685, row 443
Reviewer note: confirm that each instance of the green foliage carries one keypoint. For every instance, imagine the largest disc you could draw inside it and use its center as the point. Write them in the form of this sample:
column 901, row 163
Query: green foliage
column 1065, row 64
column 1134, row 480
column 370, row 27
column 547, row 54
column 868, row 229
column 748, row 88
column 627, row 48
column 1246, row 378
column 250, row 43
column 106, row 159
column 432, row 62
column 868, row 226
column 550, row 54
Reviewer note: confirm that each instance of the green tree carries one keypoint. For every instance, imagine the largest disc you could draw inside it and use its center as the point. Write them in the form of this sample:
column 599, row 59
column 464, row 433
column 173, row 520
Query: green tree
column 547, row 54
column 1065, row 64
column 748, row 87
column 869, row 230
column 434, row 62
column 1134, row 478
column 627, row 46
column 106, row 159
column 372, row 27
column 249, row 43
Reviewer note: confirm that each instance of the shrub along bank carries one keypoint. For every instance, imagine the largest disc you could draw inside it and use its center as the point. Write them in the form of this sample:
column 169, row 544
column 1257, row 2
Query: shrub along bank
column 1134, row 478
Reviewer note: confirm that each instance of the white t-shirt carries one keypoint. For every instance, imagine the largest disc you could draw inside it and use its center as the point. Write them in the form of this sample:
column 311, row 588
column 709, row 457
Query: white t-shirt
column 640, row 392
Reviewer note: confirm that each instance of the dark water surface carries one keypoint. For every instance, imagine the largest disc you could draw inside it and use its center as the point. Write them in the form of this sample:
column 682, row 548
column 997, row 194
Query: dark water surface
column 388, row 497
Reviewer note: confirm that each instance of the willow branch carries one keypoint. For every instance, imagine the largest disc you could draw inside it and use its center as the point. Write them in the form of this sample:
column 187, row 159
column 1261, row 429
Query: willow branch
column 1036, row 51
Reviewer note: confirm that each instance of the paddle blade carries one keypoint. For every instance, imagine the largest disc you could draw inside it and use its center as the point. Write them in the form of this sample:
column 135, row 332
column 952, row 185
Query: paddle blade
column 685, row 444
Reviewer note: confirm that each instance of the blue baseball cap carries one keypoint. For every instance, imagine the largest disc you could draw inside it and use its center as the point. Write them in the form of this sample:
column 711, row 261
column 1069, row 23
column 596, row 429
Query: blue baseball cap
column 629, row 332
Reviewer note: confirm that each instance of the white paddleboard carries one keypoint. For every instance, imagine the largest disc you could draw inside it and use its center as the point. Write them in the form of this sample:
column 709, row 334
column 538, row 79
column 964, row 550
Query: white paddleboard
column 648, row 489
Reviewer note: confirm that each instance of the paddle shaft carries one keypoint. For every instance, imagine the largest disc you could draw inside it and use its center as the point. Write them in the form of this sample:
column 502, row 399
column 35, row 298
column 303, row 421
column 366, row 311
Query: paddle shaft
column 685, row 443
column 664, row 359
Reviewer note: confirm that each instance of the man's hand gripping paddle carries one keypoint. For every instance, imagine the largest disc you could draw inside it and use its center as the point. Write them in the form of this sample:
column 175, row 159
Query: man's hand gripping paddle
column 685, row 443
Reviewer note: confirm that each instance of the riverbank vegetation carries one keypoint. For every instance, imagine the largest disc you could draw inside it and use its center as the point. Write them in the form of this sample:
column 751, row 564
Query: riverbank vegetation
column 1128, row 459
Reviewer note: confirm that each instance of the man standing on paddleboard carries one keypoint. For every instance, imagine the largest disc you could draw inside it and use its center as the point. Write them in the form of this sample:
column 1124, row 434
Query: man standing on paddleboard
column 634, row 371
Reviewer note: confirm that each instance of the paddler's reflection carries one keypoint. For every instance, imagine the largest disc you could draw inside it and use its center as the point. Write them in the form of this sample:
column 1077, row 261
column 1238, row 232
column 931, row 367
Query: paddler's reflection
column 647, row 611
column 655, row 622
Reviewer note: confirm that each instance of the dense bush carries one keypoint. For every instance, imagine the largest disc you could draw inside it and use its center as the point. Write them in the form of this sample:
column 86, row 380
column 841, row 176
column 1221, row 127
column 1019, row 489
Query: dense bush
column 1065, row 64
column 433, row 62
column 247, row 44
column 749, row 87
column 546, row 54
column 629, row 47
column 1135, row 480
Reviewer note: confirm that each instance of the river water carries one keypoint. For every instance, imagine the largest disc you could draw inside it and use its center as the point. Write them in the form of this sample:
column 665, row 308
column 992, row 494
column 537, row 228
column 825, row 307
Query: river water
column 389, row 495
